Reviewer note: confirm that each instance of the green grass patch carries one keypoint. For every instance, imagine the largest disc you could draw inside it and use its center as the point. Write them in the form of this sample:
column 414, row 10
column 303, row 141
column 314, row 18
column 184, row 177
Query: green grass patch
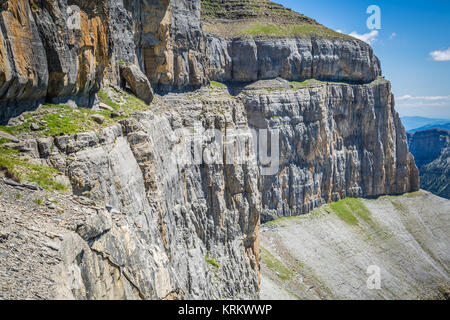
column 215, row 84
column 352, row 210
column 310, row 30
column 55, row 120
column 211, row 261
column 302, row 30
column 306, row 83
column 22, row 170
column 312, row 82
column 34, row 6
column 358, row 208
column 414, row 194
column 275, row 265
column 38, row 201
column 298, row 83
column 261, row 29
column 344, row 212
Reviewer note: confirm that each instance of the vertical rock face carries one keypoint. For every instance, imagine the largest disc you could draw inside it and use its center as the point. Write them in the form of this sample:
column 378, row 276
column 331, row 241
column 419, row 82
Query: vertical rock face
column 169, row 42
column 46, row 57
column 23, row 69
column 76, row 51
column 336, row 141
column 431, row 150
column 247, row 60
column 186, row 231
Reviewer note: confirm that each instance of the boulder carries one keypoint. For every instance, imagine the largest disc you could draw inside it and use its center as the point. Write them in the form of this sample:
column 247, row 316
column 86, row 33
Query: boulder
column 138, row 82
column 104, row 106
column 98, row 118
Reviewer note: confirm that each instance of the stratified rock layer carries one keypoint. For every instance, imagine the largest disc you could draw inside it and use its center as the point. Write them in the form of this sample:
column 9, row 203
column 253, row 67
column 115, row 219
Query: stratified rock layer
column 247, row 60
column 174, row 229
column 336, row 141
column 63, row 51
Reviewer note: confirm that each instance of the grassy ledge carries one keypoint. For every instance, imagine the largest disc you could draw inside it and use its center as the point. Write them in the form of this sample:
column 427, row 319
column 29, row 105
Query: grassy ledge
column 350, row 209
column 255, row 18
column 215, row 84
column 56, row 120
column 21, row 169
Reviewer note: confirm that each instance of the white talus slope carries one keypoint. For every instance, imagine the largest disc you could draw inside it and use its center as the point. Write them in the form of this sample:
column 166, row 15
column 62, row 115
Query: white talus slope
column 325, row 254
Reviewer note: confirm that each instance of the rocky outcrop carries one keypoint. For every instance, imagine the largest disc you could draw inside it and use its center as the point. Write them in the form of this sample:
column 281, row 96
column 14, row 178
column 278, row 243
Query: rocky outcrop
column 137, row 81
column 23, row 61
column 431, row 150
column 336, row 141
column 175, row 229
column 62, row 52
column 247, row 60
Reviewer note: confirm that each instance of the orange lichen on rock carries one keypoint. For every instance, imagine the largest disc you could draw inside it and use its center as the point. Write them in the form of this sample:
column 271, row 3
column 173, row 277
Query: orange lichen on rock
column 26, row 50
column 93, row 51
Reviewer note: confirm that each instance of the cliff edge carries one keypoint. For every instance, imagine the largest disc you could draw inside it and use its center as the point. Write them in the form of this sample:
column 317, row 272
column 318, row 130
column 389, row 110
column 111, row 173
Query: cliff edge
column 160, row 196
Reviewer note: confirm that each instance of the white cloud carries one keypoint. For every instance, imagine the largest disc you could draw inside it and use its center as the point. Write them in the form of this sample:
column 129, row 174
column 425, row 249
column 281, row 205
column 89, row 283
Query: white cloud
column 438, row 106
column 393, row 35
column 425, row 98
column 443, row 55
column 370, row 37
column 339, row 30
column 425, row 104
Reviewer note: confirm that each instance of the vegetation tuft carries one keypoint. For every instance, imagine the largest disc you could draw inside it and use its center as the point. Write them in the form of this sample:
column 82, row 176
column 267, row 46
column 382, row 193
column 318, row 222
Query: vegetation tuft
column 21, row 169
column 211, row 261
column 215, row 84
column 275, row 265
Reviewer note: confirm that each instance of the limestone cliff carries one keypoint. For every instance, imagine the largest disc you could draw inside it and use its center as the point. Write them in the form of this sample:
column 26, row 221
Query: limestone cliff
column 431, row 149
column 336, row 141
column 172, row 231
column 45, row 57
column 136, row 220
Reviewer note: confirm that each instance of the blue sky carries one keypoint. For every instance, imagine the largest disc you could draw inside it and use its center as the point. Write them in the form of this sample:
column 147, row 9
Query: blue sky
column 413, row 45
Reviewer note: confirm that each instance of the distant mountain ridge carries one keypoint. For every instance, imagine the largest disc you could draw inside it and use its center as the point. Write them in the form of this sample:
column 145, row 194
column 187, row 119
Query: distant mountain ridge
column 414, row 124
column 445, row 126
